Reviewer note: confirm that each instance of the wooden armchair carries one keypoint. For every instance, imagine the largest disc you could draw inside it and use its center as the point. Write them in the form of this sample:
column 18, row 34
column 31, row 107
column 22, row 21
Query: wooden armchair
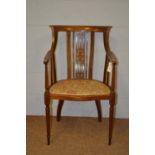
column 79, row 85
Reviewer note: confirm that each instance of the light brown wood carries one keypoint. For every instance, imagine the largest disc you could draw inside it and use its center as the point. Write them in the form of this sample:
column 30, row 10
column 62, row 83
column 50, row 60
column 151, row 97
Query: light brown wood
column 105, row 70
column 106, row 39
column 60, row 104
column 79, row 98
column 54, row 42
column 99, row 110
column 91, row 56
column 68, row 55
column 113, row 78
column 112, row 58
column 111, row 116
column 86, row 59
column 54, row 68
column 86, row 28
column 46, row 79
column 47, row 104
column 73, row 55
column 47, row 109
column 50, row 58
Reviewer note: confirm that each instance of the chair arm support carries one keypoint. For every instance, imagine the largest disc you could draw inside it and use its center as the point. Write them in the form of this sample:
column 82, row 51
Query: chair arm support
column 110, row 65
column 53, row 46
column 112, row 58
column 50, row 58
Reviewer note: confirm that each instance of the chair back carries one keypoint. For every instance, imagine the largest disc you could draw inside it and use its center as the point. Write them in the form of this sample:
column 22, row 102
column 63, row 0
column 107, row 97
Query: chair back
column 80, row 41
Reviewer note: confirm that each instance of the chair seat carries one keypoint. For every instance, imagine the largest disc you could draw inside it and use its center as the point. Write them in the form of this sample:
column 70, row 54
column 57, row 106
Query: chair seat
column 79, row 90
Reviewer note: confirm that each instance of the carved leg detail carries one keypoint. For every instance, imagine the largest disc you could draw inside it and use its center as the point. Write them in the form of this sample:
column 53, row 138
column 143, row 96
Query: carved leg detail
column 99, row 110
column 60, row 104
column 111, row 115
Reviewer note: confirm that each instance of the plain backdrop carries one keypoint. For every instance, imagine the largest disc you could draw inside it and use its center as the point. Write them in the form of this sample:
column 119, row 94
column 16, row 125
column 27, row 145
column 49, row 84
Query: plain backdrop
column 40, row 14
column 13, row 65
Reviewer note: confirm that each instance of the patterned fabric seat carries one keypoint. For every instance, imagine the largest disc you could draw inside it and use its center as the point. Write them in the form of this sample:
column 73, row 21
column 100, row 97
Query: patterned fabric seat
column 79, row 89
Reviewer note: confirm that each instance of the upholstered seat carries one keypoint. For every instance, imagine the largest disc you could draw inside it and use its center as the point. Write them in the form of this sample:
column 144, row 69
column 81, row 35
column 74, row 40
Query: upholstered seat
column 79, row 89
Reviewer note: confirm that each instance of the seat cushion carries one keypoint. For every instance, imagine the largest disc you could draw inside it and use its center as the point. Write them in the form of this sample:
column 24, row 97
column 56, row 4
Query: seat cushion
column 79, row 89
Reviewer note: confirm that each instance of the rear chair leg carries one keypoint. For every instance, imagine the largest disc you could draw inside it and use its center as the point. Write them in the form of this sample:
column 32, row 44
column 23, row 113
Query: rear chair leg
column 99, row 110
column 60, row 104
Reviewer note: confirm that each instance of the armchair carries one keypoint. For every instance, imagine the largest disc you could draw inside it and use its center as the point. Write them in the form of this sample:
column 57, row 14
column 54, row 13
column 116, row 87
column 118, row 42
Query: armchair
column 80, row 85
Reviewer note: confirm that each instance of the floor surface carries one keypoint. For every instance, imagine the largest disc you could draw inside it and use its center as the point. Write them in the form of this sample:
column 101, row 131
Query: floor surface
column 76, row 136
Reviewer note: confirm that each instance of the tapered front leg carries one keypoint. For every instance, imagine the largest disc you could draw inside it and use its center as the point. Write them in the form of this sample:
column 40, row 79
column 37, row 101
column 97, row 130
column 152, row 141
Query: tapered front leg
column 47, row 110
column 111, row 117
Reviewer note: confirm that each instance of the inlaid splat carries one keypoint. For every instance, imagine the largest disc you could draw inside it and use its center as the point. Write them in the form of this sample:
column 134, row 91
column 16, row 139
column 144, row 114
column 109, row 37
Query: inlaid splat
column 80, row 55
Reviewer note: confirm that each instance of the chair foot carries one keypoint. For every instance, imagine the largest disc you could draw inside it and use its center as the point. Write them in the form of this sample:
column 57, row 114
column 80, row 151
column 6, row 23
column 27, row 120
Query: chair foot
column 48, row 141
column 58, row 119
column 109, row 143
column 100, row 119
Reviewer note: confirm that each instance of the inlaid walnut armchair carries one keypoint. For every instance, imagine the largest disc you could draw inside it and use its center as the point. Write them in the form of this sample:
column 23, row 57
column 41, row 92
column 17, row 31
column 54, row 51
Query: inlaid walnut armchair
column 80, row 85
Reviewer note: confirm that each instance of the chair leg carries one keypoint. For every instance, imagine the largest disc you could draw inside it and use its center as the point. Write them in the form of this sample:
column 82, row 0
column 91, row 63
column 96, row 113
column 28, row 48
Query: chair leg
column 111, row 115
column 99, row 110
column 47, row 110
column 60, row 104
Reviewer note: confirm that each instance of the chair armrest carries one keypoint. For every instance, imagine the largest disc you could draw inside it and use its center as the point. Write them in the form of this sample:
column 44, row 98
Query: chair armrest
column 47, row 57
column 112, row 58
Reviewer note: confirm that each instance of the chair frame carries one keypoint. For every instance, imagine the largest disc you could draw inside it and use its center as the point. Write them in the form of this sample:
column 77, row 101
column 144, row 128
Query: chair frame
column 50, row 58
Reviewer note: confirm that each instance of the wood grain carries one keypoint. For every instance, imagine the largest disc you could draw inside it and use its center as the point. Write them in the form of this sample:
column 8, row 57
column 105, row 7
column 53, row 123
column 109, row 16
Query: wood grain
column 68, row 55
column 91, row 55
column 50, row 58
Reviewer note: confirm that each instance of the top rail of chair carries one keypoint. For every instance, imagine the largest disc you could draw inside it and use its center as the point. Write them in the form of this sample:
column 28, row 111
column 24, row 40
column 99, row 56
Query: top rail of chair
column 80, row 28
